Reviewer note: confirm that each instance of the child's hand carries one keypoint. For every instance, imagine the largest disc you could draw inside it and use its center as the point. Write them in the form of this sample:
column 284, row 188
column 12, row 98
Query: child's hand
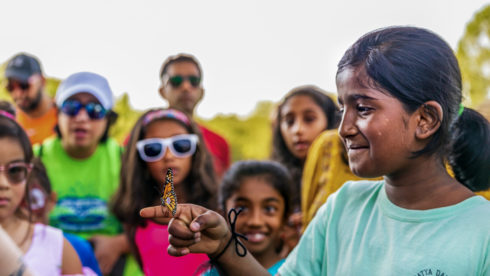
column 193, row 229
column 291, row 233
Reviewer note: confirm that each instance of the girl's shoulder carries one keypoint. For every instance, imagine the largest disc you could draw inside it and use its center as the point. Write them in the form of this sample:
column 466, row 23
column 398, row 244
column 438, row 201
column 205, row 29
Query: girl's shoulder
column 356, row 190
column 45, row 252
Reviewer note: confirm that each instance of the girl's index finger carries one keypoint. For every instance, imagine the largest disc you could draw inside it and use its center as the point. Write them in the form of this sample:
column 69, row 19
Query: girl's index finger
column 185, row 212
column 159, row 211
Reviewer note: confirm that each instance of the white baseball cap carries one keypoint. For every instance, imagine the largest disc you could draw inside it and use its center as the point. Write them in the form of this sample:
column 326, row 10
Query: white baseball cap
column 85, row 82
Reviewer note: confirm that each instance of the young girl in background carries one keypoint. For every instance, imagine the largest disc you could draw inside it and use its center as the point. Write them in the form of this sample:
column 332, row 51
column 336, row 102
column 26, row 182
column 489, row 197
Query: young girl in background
column 162, row 139
column 303, row 114
column 261, row 189
column 42, row 201
column 45, row 250
column 400, row 92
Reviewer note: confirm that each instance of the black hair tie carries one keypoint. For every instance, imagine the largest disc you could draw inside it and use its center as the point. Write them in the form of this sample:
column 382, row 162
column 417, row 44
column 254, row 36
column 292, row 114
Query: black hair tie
column 239, row 247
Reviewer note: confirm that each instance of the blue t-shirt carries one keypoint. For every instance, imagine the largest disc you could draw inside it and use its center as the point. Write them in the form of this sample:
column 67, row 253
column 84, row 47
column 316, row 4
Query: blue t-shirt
column 84, row 251
column 359, row 231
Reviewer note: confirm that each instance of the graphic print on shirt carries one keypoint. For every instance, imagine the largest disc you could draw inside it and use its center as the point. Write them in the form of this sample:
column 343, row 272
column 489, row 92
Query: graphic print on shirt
column 430, row 271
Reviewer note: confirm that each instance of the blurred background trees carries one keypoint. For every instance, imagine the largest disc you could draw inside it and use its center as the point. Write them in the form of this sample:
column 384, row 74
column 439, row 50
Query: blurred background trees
column 474, row 59
column 250, row 136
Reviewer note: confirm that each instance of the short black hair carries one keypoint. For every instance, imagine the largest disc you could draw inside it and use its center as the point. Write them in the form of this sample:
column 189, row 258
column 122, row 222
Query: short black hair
column 273, row 172
column 182, row 57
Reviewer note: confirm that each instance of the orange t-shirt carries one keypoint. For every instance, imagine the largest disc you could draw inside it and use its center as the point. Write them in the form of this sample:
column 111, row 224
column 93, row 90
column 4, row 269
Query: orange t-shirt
column 38, row 128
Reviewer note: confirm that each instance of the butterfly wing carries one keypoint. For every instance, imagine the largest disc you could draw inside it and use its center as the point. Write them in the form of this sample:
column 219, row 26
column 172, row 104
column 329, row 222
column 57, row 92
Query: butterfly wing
column 169, row 198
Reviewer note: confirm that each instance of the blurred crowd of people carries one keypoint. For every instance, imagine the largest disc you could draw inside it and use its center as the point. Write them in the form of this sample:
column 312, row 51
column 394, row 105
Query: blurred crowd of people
column 70, row 195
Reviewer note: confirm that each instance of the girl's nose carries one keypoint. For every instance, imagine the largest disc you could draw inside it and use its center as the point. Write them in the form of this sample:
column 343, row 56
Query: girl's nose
column 4, row 182
column 298, row 127
column 82, row 115
column 255, row 218
column 347, row 125
column 168, row 154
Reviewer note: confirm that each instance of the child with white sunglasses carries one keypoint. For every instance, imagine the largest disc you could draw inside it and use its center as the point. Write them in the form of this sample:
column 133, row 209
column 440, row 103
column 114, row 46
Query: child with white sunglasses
column 162, row 139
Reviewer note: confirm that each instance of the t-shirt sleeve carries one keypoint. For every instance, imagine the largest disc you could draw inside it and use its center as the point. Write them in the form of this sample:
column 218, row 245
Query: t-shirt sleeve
column 308, row 256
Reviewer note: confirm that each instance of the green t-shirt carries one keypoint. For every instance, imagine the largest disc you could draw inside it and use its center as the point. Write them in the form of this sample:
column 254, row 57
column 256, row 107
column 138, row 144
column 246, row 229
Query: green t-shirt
column 84, row 187
column 358, row 231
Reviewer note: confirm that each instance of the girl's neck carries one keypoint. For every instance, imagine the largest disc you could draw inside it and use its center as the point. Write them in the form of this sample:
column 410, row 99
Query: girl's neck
column 19, row 231
column 425, row 185
column 10, row 223
column 77, row 152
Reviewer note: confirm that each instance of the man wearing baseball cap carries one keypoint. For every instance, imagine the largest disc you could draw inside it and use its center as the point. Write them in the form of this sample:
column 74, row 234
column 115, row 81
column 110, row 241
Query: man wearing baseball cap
column 36, row 111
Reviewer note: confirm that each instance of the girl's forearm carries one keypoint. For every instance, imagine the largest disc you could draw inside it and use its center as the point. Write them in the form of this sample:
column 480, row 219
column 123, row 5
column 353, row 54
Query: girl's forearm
column 232, row 264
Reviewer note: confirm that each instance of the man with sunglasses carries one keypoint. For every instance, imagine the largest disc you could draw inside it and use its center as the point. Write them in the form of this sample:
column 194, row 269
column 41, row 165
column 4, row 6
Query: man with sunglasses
column 36, row 113
column 181, row 87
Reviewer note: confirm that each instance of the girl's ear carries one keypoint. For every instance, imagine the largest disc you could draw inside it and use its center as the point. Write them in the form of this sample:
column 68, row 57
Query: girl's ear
column 429, row 119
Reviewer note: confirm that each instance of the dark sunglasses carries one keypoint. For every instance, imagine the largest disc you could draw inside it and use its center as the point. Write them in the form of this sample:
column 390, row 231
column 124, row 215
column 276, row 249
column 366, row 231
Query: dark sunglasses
column 11, row 85
column 16, row 172
column 153, row 149
column 177, row 80
column 94, row 110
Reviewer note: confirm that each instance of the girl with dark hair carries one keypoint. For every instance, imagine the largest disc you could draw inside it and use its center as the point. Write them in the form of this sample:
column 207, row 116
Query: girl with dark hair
column 261, row 189
column 399, row 90
column 301, row 116
column 162, row 139
column 45, row 249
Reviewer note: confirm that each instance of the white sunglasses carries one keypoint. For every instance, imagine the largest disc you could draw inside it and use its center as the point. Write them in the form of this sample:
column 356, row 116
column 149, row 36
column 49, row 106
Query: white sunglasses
column 153, row 149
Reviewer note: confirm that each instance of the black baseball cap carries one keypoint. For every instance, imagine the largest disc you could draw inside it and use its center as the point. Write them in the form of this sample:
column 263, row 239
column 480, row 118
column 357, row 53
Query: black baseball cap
column 22, row 66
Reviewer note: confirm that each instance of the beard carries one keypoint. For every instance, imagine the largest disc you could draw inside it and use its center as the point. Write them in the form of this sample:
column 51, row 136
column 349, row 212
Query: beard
column 34, row 104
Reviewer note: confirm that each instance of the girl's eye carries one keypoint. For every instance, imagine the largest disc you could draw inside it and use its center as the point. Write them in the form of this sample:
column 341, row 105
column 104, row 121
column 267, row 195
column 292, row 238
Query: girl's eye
column 289, row 120
column 242, row 207
column 310, row 119
column 270, row 209
column 363, row 110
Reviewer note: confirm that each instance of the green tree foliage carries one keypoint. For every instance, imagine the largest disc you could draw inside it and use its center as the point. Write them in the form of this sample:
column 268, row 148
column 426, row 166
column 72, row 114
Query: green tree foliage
column 474, row 58
column 249, row 137
column 127, row 117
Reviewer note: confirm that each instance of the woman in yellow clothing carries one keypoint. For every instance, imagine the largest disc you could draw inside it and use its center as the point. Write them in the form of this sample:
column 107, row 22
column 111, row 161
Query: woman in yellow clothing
column 326, row 169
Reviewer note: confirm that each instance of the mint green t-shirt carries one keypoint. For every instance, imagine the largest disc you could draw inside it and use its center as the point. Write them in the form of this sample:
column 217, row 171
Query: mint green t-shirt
column 84, row 188
column 358, row 231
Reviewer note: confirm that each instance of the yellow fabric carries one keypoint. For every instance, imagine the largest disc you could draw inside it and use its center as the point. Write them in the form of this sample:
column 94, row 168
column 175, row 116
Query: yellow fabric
column 485, row 194
column 324, row 172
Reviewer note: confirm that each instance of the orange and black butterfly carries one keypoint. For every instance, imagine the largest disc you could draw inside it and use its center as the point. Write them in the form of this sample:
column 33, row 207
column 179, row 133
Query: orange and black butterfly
column 169, row 199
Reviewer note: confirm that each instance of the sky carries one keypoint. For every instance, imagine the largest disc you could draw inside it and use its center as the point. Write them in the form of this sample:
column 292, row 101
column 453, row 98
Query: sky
column 250, row 51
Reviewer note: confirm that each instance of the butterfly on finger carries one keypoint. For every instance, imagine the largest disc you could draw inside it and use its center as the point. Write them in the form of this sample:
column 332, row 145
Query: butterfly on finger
column 169, row 199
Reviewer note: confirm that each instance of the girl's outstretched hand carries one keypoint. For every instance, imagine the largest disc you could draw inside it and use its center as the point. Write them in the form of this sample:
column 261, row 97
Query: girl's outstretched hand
column 193, row 229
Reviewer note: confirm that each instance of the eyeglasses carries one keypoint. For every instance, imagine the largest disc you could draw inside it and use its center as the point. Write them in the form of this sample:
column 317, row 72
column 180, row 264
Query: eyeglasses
column 94, row 110
column 16, row 172
column 153, row 149
column 11, row 85
column 177, row 80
